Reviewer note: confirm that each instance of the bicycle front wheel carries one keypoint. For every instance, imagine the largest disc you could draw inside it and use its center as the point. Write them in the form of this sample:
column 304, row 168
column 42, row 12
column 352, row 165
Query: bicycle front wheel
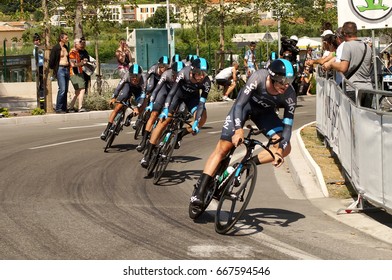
column 114, row 130
column 141, row 124
column 235, row 198
column 164, row 157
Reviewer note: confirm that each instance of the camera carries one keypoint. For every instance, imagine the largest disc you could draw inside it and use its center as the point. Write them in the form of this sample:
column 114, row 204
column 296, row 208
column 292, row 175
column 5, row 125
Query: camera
column 289, row 45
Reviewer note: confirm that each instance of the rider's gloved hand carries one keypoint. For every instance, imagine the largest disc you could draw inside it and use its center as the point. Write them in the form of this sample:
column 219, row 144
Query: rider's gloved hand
column 164, row 114
column 195, row 127
column 149, row 107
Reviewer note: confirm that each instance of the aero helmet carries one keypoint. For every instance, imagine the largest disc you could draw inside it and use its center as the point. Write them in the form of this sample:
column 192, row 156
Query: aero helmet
column 176, row 58
column 281, row 71
column 163, row 60
column 135, row 69
column 177, row 66
column 200, row 63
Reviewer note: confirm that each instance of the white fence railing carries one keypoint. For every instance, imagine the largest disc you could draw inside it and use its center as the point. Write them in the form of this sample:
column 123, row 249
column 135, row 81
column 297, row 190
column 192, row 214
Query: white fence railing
column 361, row 138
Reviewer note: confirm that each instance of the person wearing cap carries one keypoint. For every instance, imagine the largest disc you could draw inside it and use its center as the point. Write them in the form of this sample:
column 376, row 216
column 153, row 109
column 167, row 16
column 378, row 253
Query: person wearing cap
column 76, row 76
column 191, row 87
column 89, row 67
column 264, row 92
column 355, row 64
column 330, row 45
column 250, row 64
column 38, row 54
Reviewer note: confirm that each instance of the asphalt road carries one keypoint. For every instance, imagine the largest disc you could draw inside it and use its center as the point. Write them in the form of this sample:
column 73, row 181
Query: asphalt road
column 62, row 197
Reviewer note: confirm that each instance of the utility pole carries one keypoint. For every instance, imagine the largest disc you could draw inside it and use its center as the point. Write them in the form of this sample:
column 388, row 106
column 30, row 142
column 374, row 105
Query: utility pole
column 168, row 27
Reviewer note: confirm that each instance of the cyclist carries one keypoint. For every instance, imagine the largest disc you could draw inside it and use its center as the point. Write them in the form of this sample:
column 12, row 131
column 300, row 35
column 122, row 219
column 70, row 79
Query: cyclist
column 189, row 59
column 132, row 83
column 190, row 81
column 265, row 90
column 158, row 97
column 153, row 75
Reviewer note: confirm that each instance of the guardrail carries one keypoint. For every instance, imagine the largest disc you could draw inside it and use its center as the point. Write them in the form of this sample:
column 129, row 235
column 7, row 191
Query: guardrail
column 361, row 137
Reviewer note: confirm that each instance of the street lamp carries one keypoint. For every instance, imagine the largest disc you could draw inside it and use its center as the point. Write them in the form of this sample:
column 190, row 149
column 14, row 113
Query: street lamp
column 168, row 26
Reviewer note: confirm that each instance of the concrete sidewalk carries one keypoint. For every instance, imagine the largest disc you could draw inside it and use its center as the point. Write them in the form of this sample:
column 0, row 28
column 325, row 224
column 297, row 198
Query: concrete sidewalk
column 305, row 172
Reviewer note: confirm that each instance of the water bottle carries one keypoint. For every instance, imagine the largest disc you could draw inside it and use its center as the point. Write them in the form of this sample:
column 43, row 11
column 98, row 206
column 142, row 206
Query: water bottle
column 226, row 173
column 166, row 137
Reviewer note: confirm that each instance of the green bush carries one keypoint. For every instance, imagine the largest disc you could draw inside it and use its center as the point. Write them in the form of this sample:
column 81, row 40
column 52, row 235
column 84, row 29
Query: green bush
column 96, row 102
column 4, row 112
column 37, row 111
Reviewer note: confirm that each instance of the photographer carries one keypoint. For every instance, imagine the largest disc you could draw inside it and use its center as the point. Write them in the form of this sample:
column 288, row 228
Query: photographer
column 290, row 51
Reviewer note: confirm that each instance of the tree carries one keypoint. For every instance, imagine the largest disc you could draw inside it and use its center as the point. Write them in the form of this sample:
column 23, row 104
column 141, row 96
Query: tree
column 159, row 19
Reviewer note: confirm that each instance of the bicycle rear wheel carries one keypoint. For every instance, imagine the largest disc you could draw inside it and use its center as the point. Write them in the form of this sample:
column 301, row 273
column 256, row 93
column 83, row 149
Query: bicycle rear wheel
column 164, row 157
column 235, row 198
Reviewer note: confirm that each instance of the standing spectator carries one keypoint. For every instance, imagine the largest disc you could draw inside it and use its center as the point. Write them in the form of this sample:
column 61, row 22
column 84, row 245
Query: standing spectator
column 250, row 60
column 59, row 62
column 355, row 64
column 76, row 76
column 124, row 58
column 228, row 79
column 38, row 54
column 306, row 81
column 84, row 55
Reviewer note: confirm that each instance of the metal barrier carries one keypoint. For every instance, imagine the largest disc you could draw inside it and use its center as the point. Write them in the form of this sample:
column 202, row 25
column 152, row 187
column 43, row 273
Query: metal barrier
column 360, row 137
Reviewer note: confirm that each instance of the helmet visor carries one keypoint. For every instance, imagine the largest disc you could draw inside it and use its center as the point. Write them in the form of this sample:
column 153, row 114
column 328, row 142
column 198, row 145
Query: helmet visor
column 282, row 79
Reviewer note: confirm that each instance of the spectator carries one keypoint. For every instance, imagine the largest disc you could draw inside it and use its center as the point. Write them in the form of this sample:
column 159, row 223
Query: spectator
column 124, row 58
column 355, row 63
column 38, row 54
column 228, row 79
column 330, row 45
column 90, row 65
column 250, row 60
column 340, row 43
column 76, row 76
column 306, row 79
column 59, row 62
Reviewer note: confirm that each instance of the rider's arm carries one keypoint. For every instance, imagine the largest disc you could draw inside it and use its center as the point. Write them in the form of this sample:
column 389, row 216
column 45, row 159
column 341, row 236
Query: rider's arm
column 174, row 89
column 288, row 118
column 120, row 85
column 203, row 98
column 243, row 98
column 160, row 84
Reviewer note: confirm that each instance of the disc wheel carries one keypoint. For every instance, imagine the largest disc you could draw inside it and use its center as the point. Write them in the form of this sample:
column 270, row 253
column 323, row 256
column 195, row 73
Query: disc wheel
column 235, row 198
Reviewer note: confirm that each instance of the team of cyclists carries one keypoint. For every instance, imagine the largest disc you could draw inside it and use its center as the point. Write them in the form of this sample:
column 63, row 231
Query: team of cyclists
column 170, row 84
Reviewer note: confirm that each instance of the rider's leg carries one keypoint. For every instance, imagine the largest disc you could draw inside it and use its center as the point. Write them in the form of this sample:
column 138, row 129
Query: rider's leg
column 158, row 130
column 221, row 150
column 230, row 89
column 147, row 131
column 113, row 114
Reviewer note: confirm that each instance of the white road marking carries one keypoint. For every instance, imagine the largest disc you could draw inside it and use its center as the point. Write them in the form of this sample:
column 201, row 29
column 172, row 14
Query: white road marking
column 63, row 143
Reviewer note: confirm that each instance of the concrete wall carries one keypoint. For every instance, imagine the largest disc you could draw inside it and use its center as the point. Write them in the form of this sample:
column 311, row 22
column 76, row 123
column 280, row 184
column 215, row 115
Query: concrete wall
column 23, row 96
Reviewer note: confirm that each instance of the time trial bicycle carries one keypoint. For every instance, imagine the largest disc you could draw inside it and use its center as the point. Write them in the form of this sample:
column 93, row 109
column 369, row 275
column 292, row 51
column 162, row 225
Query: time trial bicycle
column 233, row 185
column 124, row 115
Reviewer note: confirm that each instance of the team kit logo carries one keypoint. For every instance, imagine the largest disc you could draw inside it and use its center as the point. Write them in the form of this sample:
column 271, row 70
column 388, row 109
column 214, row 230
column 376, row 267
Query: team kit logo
column 371, row 10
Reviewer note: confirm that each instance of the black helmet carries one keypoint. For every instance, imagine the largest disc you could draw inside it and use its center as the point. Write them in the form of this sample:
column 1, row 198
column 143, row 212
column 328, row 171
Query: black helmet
column 200, row 63
column 163, row 60
column 194, row 57
column 176, row 58
column 135, row 69
column 281, row 71
column 188, row 57
column 177, row 66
